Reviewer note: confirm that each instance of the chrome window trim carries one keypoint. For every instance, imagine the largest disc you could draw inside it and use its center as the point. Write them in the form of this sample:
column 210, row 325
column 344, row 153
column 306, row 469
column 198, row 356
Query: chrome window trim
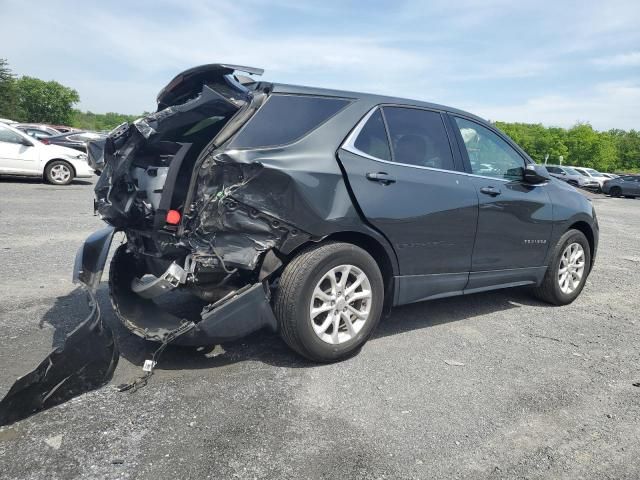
column 349, row 146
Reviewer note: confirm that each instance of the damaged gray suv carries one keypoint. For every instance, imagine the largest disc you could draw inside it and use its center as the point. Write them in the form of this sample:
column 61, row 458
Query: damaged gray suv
column 310, row 211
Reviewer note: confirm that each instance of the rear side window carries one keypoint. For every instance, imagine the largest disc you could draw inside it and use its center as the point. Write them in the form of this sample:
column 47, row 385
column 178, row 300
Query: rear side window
column 418, row 138
column 372, row 139
column 284, row 119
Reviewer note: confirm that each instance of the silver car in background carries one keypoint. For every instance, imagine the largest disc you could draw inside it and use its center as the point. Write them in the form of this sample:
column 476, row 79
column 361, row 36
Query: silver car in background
column 593, row 175
column 572, row 177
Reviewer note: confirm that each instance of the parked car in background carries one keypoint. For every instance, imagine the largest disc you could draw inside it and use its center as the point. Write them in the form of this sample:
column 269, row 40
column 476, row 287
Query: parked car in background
column 64, row 128
column 23, row 155
column 36, row 130
column 572, row 177
column 308, row 210
column 76, row 140
column 592, row 174
column 610, row 175
column 627, row 185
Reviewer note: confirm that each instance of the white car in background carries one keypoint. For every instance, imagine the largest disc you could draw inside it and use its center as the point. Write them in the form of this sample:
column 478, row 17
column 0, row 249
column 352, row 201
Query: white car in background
column 23, row 155
column 592, row 174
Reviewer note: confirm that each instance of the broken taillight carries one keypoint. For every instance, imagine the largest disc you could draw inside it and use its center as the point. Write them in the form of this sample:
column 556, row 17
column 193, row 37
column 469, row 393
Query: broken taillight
column 173, row 217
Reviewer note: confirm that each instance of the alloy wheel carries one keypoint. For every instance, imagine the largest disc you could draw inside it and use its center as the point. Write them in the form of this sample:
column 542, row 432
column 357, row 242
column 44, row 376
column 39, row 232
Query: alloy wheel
column 571, row 268
column 340, row 304
column 60, row 173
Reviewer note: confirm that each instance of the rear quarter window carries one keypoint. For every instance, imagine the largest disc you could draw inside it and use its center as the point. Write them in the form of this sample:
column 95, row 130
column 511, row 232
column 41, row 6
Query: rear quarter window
column 283, row 119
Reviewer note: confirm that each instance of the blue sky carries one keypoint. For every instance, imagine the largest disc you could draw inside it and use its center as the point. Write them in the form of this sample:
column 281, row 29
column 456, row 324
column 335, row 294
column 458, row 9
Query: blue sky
column 554, row 62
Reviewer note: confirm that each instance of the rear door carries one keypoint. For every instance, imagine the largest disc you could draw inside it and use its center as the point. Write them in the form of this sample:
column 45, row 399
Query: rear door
column 515, row 218
column 631, row 185
column 410, row 187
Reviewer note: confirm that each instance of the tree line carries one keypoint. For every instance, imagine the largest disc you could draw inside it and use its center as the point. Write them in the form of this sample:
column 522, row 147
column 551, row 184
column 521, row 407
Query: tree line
column 609, row 151
column 28, row 99
column 31, row 100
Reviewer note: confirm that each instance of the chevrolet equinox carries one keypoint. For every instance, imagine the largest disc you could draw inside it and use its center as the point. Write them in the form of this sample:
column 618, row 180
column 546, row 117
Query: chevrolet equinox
column 311, row 211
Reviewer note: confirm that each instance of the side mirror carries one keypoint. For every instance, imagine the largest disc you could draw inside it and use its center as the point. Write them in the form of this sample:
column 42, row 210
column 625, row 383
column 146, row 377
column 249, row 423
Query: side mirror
column 536, row 174
column 26, row 142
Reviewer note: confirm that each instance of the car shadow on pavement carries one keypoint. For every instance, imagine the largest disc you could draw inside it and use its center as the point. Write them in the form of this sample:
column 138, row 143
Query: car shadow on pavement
column 266, row 347
column 36, row 180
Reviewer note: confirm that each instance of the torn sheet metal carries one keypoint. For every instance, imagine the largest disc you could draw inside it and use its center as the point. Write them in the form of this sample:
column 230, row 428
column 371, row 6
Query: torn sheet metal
column 85, row 361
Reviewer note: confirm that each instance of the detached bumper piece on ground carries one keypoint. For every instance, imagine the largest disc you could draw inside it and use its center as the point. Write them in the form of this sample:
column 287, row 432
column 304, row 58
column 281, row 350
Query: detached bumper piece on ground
column 85, row 361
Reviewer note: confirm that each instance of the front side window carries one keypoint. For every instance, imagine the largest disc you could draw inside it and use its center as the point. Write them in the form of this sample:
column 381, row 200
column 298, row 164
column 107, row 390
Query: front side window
column 373, row 139
column 418, row 137
column 489, row 155
column 283, row 119
column 554, row 170
column 8, row 136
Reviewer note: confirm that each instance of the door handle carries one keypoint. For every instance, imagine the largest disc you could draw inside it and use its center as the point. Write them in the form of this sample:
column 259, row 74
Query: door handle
column 381, row 177
column 493, row 191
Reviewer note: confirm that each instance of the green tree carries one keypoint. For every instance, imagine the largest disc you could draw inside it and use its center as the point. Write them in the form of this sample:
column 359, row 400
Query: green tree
column 7, row 91
column 100, row 121
column 47, row 102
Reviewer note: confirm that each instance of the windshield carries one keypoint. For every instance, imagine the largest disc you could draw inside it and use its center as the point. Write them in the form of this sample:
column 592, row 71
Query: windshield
column 594, row 173
column 571, row 171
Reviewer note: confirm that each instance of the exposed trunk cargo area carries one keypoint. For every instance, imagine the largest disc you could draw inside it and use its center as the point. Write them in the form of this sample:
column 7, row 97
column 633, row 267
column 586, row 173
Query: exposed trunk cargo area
column 168, row 185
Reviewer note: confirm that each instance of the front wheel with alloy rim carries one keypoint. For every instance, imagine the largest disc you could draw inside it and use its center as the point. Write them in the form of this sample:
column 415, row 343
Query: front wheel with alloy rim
column 615, row 191
column 59, row 172
column 567, row 274
column 329, row 300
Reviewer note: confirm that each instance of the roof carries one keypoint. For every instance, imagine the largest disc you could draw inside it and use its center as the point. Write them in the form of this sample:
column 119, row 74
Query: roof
column 374, row 99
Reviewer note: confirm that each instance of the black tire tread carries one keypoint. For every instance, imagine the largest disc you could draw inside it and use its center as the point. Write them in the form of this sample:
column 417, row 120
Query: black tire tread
column 291, row 286
column 546, row 290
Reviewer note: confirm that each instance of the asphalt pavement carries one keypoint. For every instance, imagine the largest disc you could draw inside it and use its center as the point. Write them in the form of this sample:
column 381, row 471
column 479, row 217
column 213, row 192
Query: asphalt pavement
column 493, row 385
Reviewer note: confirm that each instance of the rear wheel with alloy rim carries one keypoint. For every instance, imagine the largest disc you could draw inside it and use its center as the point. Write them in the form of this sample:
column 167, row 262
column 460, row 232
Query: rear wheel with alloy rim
column 329, row 301
column 568, row 271
column 59, row 172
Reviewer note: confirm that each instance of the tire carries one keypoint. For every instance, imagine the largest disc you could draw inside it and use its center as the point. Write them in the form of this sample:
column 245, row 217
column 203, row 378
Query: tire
column 550, row 290
column 629, row 196
column 311, row 270
column 615, row 191
column 59, row 172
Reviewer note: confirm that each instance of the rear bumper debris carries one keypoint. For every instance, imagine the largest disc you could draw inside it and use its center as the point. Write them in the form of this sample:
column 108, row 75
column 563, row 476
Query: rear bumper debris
column 236, row 315
column 85, row 361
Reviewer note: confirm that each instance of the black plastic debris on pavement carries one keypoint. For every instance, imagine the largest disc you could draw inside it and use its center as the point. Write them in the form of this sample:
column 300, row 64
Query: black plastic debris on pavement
column 85, row 362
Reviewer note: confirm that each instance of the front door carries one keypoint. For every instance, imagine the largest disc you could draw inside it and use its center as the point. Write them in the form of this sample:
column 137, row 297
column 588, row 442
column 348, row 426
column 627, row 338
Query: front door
column 515, row 218
column 15, row 155
column 407, row 185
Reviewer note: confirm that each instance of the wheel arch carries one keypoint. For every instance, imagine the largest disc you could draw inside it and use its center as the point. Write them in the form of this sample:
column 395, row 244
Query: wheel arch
column 371, row 245
column 586, row 229
column 44, row 170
